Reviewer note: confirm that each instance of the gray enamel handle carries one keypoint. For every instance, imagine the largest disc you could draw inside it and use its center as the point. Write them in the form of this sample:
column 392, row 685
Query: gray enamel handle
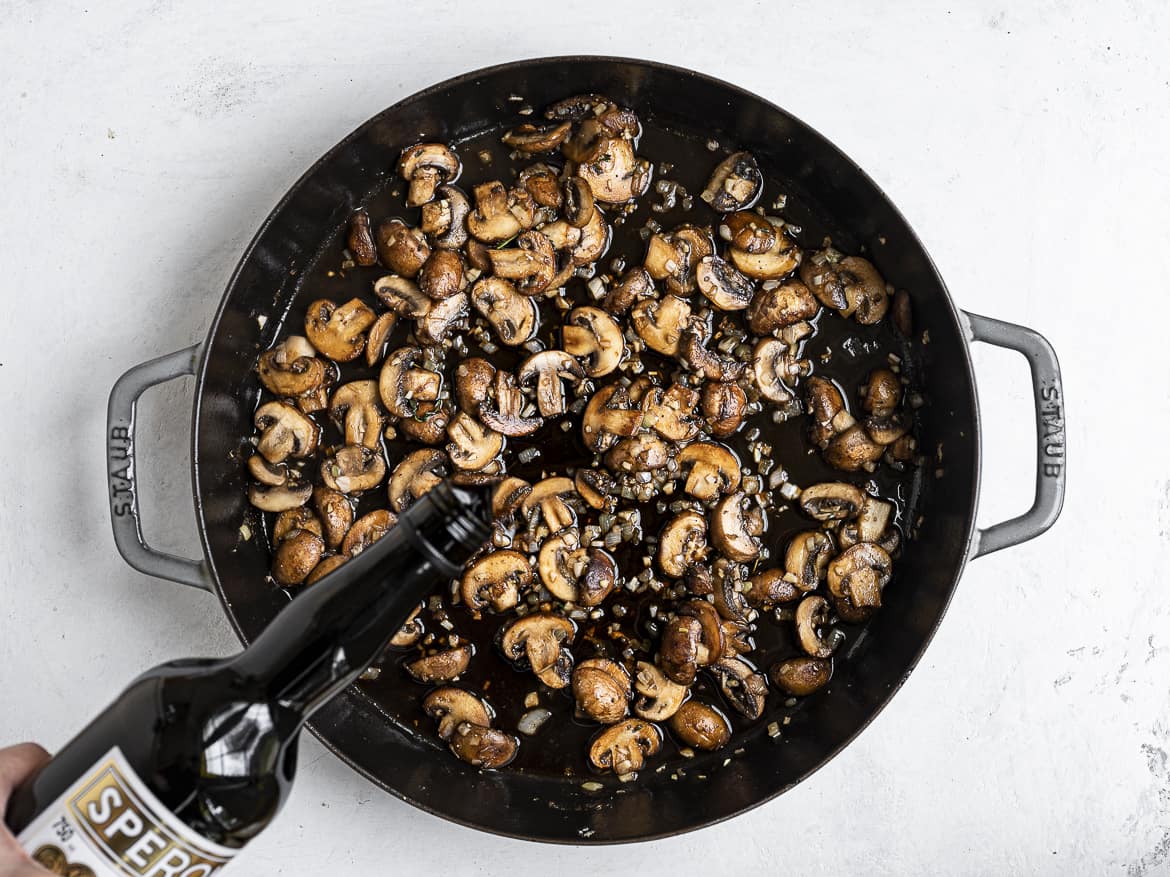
column 1048, row 398
column 120, row 468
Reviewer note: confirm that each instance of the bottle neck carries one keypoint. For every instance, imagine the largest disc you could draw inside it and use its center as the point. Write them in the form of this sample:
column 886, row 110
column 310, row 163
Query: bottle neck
column 323, row 640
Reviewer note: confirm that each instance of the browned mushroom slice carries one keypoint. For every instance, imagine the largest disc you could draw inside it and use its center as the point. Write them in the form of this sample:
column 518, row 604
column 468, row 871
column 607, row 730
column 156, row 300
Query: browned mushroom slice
column 492, row 220
column 367, row 530
column 401, row 248
column 533, row 138
column 578, row 108
column 671, row 412
column 513, row 316
column 660, row 322
column 300, row 518
column 483, row 747
column 402, row 296
column 269, row 498
column 709, row 364
column 678, row 651
column 508, row 496
column 773, row 367
column 578, row 201
column 882, row 392
column 682, row 543
column 701, row 726
column 291, row 368
column 807, row 559
column 445, row 218
column 886, row 429
column 608, row 417
column 338, row 332
column 354, row 408
column 296, row 556
column 745, row 689
column 547, row 370
column 595, row 336
column 614, row 173
column 826, row 406
column 736, row 525
column 723, row 286
column 378, row 336
column 724, row 406
column 592, row 239
column 601, row 690
column 428, row 424
column 504, row 413
column 770, row 587
column 411, row 631
column 748, row 231
column 336, row 515
column 284, row 432
column 531, row 263
column 326, row 566
column 853, row 450
column 735, row 184
column 268, row 474
column 644, row 452
column 871, row 525
column 538, row 640
column 634, row 286
column 441, row 275
column 496, row 580
column 425, row 166
column 658, row 697
column 417, row 473
column 672, row 257
column 777, row 306
column 624, row 747
column 850, row 285
column 811, row 616
column 714, row 470
column 353, row 469
column 596, row 487
column 472, row 444
column 773, row 263
column 802, row 676
column 402, row 386
column 443, row 316
column 710, row 646
column 856, row 580
column 473, row 382
column 540, row 181
column 831, row 501
column 584, row 576
column 452, row 707
column 359, row 241
column 441, row 666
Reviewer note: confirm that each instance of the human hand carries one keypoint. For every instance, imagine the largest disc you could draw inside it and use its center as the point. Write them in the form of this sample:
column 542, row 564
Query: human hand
column 17, row 763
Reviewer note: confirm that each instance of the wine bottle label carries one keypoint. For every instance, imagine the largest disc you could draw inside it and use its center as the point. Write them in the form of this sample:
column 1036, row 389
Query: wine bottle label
column 109, row 823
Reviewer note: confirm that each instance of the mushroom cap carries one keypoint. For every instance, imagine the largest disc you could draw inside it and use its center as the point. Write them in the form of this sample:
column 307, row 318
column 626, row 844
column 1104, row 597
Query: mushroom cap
column 414, row 475
column 644, row 452
column 548, row 368
column 636, row 284
column 724, row 406
column 714, row 470
column 624, row 747
column 748, row 230
column 736, row 525
column 367, row 530
column 769, row 587
column 300, row 518
column 537, row 640
column 378, row 337
column 353, row 469
column 338, row 331
column 592, row 240
column 492, row 220
column 434, row 327
column 425, row 166
column 660, row 322
column 451, row 706
column 441, row 276
column 802, row 676
column 723, row 286
column 658, row 697
column 671, row 412
column 401, row 248
column 683, row 543
column 296, row 556
column 411, row 631
column 853, row 450
column 831, row 501
column 402, row 385
column 513, row 316
column 359, row 241
column 882, row 392
column 483, row 747
column 445, row 219
column 540, row 181
column 268, row 474
column 601, row 689
column 324, row 567
column 336, row 515
column 577, row 198
column 531, row 263
column 826, row 406
column 441, row 666
column 710, row 630
column 859, row 574
column 709, row 364
column 496, row 580
column 735, row 184
column 678, row 650
column 472, row 444
column 777, row 306
column 608, row 417
column 701, row 726
column 594, row 486
column 773, row 263
column 474, row 377
column 614, row 173
column 850, row 285
column 595, row 336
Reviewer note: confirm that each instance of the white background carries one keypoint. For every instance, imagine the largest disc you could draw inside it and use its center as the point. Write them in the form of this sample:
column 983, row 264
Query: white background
column 142, row 143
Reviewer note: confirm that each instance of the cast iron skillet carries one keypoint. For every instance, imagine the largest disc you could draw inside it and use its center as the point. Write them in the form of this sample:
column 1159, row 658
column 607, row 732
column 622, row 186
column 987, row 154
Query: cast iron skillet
column 546, row 808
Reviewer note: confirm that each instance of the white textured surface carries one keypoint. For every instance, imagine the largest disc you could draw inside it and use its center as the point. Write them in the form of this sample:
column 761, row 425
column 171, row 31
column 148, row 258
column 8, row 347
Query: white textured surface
column 142, row 143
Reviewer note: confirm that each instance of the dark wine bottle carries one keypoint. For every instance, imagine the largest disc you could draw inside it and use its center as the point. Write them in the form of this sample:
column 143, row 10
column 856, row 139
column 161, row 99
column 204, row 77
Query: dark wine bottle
column 196, row 757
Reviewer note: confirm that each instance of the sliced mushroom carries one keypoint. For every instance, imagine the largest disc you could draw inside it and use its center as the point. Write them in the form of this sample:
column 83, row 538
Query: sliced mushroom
column 608, row 417
column 728, row 592
column 532, row 138
column 336, row 515
column 673, row 257
column 492, row 220
column 378, row 335
column 300, row 518
column 434, row 327
column 425, row 166
column 540, row 181
column 807, row 559
column 800, row 677
column 428, row 424
column 578, row 107
column 268, row 474
column 887, row 429
column 531, row 263
column 402, row 386
column 473, row 382
column 595, row 336
column 724, row 407
column 548, row 369
column 452, row 707
column 671, row 412
column 826, row 406
column 683, row 543
column 634, row 286
column 714, row 470
column 592, row 240
column 496, row 580
column 353, row 469
column 601, row 689
column 735, row 184
column 472, row 444
column 402, row 296
column 624, row 747
column 701, row 726
column 441, row 276
column 367, row 530
column 725, row 287
column 577, row 197
column 644, row 452
column 881, row 393
column 326, row 566
column 831, row 501
column 709, row 364
column 873, row 522
column 614, row 173
column 401, row 248
column 660, row 322
column 772, row 367
column 856, row 580
column 445, row 218
column 296, row 556
column 338, row 332
column 736, row 525
column 710, row 647
column 678, row 652
column 284, row 432
column 504, row 413
column 417, row 473
column 513, row 316
column 483, row 747
column 770, row 587
column 746, row 689
column 441, row 666
column 773, row 263
column 291, row 368
column 777, row 307
column 584, row 576
column 549, row 496
column 508, row 496
column 658, row 697
column 538, row 639
column 359, row 241
column 852, row 450
column 595, row 486
column 354, row 408
column 410, row 632
column 811, row 616
column 850, row 285
column 269, row 498
column 748, row 231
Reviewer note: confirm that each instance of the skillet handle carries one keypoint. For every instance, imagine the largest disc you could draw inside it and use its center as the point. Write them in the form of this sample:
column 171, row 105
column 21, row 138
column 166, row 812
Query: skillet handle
column 121, row 470
column 1048, row 398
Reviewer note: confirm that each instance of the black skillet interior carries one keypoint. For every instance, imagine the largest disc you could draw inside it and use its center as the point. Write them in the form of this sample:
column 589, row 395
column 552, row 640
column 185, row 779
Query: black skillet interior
column 857, row 215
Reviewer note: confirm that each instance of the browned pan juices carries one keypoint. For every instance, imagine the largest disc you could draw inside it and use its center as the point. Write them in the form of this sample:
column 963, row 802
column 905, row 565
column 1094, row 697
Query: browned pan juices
column 841, row 349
